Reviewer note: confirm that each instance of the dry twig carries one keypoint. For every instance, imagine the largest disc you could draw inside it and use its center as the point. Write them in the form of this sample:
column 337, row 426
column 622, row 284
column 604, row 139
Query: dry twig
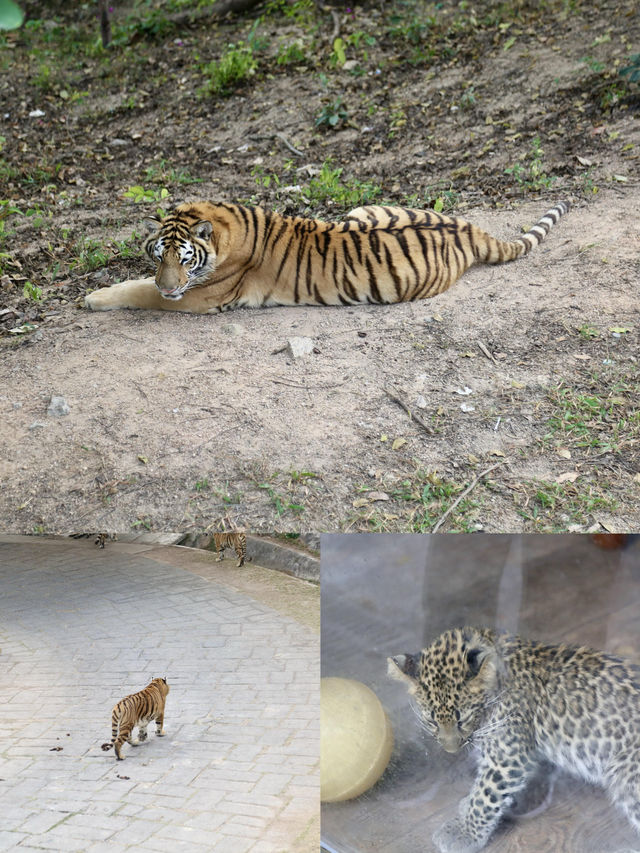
column 460, row 497
column 395, row 396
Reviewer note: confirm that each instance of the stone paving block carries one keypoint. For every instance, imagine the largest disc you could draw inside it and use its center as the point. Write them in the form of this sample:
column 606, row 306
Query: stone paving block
column 11, row 840
column 79, row 629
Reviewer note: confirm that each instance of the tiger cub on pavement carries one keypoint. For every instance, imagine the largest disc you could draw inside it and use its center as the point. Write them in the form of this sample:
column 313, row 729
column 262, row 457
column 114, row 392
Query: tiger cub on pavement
column 138, row 709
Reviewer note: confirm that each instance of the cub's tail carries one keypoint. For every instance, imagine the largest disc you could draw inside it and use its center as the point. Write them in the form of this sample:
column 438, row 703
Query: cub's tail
column 107, row 746
column 489, row 250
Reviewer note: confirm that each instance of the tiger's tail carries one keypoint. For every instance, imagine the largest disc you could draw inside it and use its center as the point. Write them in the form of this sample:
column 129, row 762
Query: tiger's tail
column 114, row 730
column 489, row 250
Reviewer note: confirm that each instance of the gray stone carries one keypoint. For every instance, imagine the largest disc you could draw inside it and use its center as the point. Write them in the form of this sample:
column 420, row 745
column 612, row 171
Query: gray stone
column 58, row 407
column 233, row 329
column 299, row 347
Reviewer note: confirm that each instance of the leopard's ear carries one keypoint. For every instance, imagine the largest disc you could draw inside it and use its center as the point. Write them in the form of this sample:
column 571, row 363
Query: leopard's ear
column 484, row 664
column 404, row 668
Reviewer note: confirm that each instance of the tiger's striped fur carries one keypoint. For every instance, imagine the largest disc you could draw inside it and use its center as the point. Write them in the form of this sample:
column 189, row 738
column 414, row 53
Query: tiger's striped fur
column 235, row 539
column 138, row 709
column 211, row 257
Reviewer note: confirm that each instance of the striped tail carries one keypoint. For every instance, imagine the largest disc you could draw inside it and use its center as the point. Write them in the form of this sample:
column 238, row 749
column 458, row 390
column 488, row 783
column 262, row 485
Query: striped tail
column 114, row 730
column 492, row 251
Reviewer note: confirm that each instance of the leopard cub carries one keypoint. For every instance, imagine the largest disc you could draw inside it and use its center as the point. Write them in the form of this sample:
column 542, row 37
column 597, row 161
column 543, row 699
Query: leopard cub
column 523, row 703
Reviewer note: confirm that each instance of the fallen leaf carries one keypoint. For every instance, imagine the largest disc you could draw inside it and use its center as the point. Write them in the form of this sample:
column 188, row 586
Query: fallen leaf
column 584, row 161
column 474, row 460
column 620, row 178
column 377, row 496
column 360, row 503
column 384, row 437
column 568, row 477
column 516, row 384
column 636, row 478
column 468, row 354
column 582, row 356
column 564, row 453
column 437, row 318
column 143, row 459
column 398, row 443
column 620, row 330
column 496, row 453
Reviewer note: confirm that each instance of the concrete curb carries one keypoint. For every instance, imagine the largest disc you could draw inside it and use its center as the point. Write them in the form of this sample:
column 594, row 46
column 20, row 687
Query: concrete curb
column 267, row 552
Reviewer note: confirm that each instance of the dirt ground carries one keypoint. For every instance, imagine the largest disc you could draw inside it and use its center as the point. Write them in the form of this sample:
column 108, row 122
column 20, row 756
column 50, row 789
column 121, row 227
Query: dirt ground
column 524, row 377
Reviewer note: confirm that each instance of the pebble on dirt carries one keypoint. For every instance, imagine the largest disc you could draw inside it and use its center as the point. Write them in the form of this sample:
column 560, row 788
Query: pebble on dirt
column 58, row 407
column 298, row 347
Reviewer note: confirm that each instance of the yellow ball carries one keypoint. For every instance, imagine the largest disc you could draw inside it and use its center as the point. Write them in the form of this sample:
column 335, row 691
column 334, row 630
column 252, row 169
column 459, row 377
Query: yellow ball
column 356, row 739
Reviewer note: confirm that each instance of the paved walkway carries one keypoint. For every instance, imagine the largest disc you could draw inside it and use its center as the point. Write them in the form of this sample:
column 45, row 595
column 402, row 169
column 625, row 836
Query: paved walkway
column 81, row 627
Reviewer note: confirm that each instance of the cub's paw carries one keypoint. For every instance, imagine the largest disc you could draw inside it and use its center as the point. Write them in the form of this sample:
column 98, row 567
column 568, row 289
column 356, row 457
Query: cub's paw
column 160, row 734
column 451, row 838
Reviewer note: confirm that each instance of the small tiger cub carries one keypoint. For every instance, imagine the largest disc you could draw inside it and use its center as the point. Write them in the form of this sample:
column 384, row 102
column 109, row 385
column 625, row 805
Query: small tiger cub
column 235, row 539
column 102, row 539
column 138, row 709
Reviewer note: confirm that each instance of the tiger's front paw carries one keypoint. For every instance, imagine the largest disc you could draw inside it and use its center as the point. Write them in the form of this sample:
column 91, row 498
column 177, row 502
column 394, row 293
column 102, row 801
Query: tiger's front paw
column 451, row 838
column 100, row 300
column 159, row 734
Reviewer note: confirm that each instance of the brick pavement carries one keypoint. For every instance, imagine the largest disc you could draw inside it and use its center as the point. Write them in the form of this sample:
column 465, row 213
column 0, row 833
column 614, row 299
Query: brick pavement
column 79, row 628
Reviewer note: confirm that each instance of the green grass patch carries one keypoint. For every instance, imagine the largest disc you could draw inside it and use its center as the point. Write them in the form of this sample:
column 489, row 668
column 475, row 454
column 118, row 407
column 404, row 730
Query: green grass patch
column 603, row 417
column 555, row 507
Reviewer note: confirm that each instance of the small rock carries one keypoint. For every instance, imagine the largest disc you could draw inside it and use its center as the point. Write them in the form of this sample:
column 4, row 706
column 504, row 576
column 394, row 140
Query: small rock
column 421, row 403
column 58, row 407
column 232, row 329
column 37, row 425
column 298, row 347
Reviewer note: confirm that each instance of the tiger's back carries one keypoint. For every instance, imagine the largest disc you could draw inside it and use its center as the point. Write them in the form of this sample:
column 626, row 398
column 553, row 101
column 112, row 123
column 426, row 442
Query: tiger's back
column 211, row 257
column 235, row 539
column 138, row 709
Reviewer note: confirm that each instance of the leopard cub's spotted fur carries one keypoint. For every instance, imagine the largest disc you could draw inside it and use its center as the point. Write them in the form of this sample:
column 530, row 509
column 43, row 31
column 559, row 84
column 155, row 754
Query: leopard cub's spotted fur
column 521, row 703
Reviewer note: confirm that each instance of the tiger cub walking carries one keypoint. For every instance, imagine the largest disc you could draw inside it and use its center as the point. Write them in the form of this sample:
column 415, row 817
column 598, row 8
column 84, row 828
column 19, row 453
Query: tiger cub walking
column 235, row 539
column 211, row 257
column 138, row 709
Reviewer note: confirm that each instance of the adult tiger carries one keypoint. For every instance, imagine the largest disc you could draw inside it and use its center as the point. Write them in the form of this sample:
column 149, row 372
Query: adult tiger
column 138, row 709
column 211, row 257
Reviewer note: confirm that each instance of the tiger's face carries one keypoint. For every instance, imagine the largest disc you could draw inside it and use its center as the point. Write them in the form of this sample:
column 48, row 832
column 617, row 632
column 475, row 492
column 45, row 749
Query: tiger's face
column 184, row 253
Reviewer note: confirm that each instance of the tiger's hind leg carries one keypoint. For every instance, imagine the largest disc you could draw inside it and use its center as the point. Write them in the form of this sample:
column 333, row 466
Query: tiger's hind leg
column 160, row 724
column 241, row 553
column 125, row 735
column 142, row 733
column 220, row 553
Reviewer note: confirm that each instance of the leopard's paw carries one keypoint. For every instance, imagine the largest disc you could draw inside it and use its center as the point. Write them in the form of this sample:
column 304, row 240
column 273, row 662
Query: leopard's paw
column 452, row 838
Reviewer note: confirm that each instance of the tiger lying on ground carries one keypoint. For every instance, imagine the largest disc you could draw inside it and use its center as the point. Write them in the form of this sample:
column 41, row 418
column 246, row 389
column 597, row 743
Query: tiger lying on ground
column 138, row 709
column 211, row 257
column 233, row 539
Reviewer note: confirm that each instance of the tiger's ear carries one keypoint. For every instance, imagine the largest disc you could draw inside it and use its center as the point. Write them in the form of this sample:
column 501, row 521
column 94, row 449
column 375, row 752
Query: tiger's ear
column 152, row 224
column 202, row 229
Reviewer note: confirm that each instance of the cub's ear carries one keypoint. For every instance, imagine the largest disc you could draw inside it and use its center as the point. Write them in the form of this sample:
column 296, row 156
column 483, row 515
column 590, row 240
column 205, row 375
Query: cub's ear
column 484, row 665
column 404, row 668
column 202, row 229
column 152, row 224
